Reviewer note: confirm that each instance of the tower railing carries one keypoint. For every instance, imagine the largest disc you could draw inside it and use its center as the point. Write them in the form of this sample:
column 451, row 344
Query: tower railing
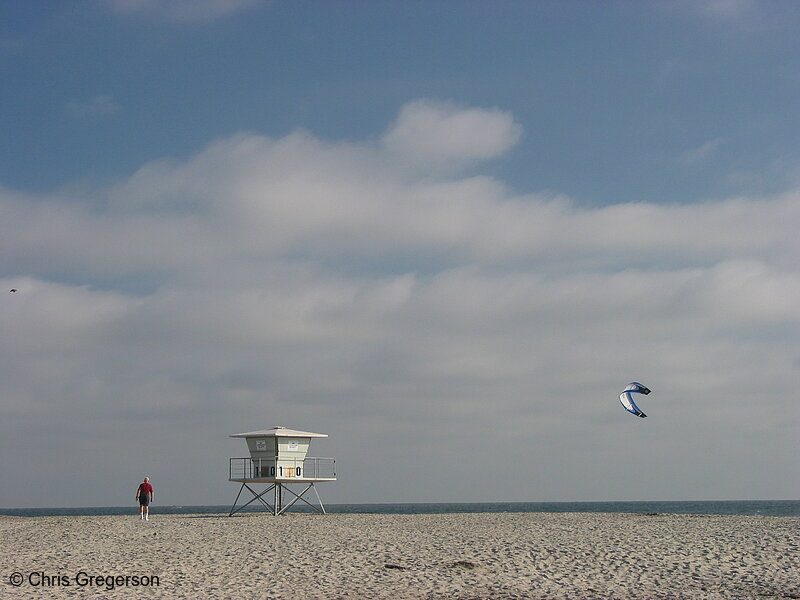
column 284, row 469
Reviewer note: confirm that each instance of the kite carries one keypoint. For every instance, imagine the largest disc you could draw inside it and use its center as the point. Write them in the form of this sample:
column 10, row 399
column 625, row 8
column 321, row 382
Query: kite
column 626, row 398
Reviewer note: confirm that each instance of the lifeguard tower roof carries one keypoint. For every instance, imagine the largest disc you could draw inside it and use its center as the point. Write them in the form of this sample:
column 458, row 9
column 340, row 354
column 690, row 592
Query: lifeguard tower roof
column 279, row 431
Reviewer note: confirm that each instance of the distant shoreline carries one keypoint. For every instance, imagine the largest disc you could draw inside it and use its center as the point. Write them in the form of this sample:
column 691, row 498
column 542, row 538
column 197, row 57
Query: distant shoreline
column 786, row 508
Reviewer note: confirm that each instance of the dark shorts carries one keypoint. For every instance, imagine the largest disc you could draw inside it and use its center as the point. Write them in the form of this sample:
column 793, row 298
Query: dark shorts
column 144, row 499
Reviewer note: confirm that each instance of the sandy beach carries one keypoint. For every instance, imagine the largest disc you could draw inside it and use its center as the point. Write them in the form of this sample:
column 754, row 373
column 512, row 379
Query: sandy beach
column 455, row 556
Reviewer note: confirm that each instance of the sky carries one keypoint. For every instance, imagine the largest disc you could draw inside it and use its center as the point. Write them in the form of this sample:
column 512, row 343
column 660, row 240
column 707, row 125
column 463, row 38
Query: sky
column 447, row 234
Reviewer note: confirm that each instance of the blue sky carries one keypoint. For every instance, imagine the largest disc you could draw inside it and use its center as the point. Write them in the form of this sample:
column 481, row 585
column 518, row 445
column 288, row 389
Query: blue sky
column 618, row 100
column 427, row 229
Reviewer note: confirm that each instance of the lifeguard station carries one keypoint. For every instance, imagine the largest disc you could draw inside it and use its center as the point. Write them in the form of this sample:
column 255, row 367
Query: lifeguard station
column 278, row 459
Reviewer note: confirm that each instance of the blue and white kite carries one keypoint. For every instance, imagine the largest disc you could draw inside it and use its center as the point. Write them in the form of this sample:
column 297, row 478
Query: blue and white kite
column 626, row 398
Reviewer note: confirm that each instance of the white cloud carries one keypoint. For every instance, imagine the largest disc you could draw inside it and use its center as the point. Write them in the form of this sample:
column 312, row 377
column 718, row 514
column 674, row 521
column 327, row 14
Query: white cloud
column 182, row 10
column 717, row 11
column 97, row 106
column 441, row 134
column 701, row 153
column 338, row 286
column 728, row 9
column 266, row 199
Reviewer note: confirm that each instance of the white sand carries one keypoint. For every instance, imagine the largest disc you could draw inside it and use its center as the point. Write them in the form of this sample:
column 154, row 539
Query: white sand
column 457, row 556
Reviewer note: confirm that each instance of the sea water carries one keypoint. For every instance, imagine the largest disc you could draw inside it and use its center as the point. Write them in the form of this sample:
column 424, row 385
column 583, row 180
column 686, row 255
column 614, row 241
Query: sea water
column 771, row 508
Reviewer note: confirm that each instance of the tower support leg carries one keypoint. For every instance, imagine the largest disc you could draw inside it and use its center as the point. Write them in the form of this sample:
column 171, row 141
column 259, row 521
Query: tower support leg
column 277, row 507
column 255, row 497
column 319, row 500
column 310, row 486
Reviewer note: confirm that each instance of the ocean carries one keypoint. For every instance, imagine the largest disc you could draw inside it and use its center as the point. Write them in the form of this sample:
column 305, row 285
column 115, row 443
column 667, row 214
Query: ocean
column 768, row 508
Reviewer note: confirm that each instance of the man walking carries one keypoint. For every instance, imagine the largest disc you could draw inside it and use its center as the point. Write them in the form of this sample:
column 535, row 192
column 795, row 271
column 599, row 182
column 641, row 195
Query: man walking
column 145, row 495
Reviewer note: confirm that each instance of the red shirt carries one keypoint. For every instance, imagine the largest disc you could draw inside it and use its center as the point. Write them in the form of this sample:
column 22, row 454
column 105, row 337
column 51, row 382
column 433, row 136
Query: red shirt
column 145, row 488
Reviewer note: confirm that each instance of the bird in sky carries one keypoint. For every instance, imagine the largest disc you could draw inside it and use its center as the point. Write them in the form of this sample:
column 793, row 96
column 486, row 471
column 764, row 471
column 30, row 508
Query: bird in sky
column 13, row 290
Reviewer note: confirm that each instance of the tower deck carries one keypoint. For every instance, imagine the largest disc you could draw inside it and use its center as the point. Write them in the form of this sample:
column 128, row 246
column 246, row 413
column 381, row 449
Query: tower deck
column 281, row 470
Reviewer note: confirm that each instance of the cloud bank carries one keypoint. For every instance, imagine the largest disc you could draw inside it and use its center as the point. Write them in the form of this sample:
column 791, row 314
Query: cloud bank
column 437, row 324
